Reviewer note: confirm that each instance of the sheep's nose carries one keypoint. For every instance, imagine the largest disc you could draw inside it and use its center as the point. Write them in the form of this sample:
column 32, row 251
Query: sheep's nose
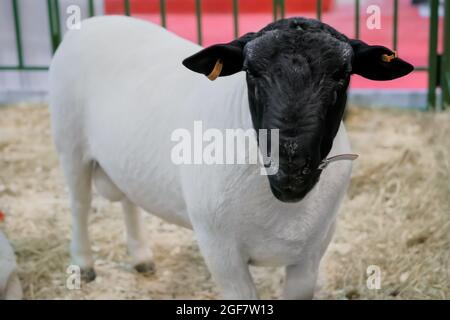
column 306, row 169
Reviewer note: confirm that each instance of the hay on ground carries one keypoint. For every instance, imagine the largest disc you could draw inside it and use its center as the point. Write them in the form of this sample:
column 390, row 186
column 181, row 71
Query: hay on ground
column 396, row 216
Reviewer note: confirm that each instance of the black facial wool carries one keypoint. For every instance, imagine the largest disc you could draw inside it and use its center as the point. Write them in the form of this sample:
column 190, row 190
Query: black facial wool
column 298, row 72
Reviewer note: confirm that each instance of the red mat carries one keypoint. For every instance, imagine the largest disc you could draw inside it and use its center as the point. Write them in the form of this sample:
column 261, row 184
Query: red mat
column 213, row 6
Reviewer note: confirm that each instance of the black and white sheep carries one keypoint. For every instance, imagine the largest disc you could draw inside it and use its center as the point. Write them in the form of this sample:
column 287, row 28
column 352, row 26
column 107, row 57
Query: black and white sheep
column 118, row 92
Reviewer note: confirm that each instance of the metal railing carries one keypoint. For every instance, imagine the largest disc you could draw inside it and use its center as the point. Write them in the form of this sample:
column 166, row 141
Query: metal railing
column 445, row 63
column 438, row 65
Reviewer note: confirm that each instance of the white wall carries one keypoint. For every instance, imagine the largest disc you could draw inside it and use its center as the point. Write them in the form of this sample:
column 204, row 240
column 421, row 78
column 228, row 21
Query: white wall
column 14, row 85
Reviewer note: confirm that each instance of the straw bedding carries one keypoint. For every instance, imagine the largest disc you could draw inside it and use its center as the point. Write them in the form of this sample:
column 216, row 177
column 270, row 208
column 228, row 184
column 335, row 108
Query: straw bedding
column 396, row 216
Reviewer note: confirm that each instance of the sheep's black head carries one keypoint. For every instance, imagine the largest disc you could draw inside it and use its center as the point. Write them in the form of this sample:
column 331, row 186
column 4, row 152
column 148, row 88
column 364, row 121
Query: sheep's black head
column 298, row 72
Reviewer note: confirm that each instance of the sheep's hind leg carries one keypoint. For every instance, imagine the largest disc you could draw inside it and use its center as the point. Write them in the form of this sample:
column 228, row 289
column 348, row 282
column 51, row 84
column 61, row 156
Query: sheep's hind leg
column 141, row 255
column 78, row 176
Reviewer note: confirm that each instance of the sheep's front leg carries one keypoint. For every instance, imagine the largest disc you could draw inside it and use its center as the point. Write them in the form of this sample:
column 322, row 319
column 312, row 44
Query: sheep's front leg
column 228, row 267
column 300, row 281
column 138, row 247
column 301, row 278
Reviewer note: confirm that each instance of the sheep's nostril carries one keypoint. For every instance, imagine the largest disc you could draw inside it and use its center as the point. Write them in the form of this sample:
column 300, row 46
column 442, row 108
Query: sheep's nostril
column 306, row 170
column 299, row 179
column 291, row 188
column 307, row 167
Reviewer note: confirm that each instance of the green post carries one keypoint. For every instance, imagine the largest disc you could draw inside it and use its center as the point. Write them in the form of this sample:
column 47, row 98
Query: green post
column 198, row 13
column 395, row 30
column 18, row 32
column 236, row 18
column 282, row 8
column 433, row 55
column 162, row 10
column 91, row 8
column 319, row 10
column 357, row 19
column 24, row 68
column 275, row 10
column 54, row 23
column 278, row 9
column 445, row 71
column 126, row 5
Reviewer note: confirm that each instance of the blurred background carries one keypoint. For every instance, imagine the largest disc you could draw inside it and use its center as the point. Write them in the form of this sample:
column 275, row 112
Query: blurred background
column 31, row 30
column 396, row 214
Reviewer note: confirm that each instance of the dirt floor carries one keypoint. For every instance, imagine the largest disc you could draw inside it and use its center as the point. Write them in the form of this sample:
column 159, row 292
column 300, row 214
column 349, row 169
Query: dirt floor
column 396, row 216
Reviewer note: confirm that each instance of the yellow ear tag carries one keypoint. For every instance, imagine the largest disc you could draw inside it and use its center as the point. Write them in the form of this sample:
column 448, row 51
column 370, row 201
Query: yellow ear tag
column 215, row 73
column 389, row 58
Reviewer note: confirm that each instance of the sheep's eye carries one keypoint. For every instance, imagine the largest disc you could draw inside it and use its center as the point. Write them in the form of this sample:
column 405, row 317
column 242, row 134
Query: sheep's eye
column 337, row 76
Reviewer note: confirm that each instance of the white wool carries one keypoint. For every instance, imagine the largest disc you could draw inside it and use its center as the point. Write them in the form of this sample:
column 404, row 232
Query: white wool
column 9, row 281
column 118, row 91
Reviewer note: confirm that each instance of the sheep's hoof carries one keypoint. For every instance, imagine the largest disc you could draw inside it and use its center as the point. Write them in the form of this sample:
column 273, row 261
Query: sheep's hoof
column 147, row 268
column 88, row 275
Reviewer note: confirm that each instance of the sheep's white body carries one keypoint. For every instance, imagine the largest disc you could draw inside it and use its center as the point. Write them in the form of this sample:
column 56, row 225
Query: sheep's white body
column 10, row 288
column 118, row 91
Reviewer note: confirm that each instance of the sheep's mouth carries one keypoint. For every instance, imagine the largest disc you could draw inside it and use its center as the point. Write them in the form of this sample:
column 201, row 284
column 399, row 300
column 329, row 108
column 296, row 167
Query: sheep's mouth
column 293, row 188
column 294, row 192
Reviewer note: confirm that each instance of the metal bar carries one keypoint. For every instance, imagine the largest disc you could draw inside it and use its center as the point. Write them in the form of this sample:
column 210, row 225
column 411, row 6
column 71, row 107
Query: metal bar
column 282, row 8
column 433, row 55
column 57, row 22
column 51, row 23
column 357, row 19
column 445, row 71
column 395, row 29
column 17, row 29
column 23, row 68
column 446, row 102
column 162, row 10
column 126, row 6
column 91, row 8
column 54, row 23
column 198, row 13
column 236, row 18
column 275, row 10
column 319, row 10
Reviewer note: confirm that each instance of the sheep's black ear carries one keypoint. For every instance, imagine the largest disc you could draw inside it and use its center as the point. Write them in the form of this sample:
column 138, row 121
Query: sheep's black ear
column 378, row 62
column 220, row 59
column 217, row 60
